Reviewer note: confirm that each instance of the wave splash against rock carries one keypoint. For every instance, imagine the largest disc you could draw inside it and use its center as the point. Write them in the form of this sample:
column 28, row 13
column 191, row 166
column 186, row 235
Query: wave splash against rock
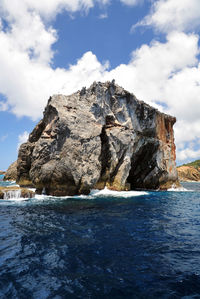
column 96, row 138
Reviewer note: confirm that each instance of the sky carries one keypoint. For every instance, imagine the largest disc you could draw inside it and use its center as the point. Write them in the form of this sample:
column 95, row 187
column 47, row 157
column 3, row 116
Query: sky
column 151, row 48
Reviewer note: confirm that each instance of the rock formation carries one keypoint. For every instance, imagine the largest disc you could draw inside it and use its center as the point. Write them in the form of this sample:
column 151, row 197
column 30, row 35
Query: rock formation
column 11, row 173
column 13, row 192
column 97, row 137
column 188, row 173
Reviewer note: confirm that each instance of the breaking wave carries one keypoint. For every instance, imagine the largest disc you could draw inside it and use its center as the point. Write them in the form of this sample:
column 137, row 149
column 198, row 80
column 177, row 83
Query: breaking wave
column 95, row 193
column 180, row 189
column 107, row 193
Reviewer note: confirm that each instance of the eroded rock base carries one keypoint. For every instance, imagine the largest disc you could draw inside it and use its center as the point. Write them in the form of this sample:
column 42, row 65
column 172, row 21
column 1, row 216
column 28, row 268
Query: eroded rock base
column 15, row 192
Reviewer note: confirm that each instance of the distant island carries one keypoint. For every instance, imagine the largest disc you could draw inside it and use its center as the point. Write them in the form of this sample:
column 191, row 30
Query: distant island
column 189, row 172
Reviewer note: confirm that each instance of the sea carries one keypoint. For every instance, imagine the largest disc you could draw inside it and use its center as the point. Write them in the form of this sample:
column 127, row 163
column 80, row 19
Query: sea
column 104, row 245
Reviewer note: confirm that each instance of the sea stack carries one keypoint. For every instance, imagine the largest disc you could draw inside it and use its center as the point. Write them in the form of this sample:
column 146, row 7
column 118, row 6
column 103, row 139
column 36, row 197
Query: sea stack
column 99, row 137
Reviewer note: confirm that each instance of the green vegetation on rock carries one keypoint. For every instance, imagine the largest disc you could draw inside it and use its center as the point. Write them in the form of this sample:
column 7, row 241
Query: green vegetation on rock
column 195, row 164
column 189, row 172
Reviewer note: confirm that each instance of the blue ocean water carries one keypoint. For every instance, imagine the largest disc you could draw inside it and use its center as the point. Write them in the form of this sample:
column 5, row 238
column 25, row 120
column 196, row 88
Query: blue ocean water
column 144, row 245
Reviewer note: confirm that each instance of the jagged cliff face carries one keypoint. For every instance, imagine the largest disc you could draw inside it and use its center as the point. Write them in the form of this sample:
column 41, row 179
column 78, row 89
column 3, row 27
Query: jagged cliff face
column 97, row 137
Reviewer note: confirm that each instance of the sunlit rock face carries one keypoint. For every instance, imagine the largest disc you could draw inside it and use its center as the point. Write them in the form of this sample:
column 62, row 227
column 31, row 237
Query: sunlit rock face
column 11, row 173
column 187, row 173
column 97, row 137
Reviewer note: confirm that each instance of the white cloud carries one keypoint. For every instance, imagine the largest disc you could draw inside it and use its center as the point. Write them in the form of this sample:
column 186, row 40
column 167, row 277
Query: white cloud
column 22, row 138
column 28, row 84
column 131, row 2
column 3, row 138
column 169, row 74
column 103, row 16
column 169, row 15
column 45, row 8
column 165, row 73
column 3, row 106
column 188, row 154
column 156, row 65
column 179, row 87
column 27, row 78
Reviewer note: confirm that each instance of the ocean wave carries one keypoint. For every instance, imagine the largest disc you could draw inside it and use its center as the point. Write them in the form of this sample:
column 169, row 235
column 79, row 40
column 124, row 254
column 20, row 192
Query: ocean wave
column 96, row 193
column 15, row 199
column 179, row 189
column 111, row 193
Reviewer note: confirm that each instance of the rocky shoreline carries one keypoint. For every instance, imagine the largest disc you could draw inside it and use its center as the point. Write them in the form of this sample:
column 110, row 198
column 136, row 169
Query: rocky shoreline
column 188, row 173
column 9, row 192
column 14, row 191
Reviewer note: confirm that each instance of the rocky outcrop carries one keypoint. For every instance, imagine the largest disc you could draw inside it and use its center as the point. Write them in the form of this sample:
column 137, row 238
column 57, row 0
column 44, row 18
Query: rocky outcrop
column 11, row 173
column 97, row 137
column 15, row 192
column 188, row 173
column 2, row 172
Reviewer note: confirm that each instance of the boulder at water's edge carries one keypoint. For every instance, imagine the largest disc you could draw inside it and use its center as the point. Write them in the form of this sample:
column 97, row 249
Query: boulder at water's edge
column 97, row 137
column 10, row 192
column 11, row 173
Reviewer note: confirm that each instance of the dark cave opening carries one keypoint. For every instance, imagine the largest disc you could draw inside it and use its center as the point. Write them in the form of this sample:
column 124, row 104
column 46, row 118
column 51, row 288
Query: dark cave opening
column 142, row 164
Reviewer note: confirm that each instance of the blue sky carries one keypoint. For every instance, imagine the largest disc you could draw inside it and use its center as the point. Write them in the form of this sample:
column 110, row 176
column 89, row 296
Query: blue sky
column 151, row 48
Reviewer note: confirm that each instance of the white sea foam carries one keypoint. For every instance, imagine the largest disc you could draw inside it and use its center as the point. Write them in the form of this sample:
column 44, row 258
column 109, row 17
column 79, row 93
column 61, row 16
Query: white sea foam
column 12, row 194
column 94, row 194
column 48, row 198
column 107, row 193
column 41, row 196
column 16, row 200
column 15, row 195
column 180, row 189
column 32, row 189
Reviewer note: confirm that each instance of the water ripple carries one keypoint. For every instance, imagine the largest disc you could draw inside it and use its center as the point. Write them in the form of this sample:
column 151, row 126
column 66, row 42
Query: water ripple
column 103, row 247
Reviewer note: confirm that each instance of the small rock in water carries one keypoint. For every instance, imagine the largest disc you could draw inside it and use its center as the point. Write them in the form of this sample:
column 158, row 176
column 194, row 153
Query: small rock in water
column 15, row 192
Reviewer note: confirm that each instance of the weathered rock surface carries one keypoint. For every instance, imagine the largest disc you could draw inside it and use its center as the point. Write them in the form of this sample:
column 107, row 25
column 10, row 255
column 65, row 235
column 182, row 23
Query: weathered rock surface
column 188, row 173
column 97, row 137
column 11, row 173
column 11, row 192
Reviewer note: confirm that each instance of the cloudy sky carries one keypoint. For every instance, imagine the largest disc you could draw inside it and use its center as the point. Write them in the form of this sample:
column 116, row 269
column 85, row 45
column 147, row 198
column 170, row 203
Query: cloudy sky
column 151, row 48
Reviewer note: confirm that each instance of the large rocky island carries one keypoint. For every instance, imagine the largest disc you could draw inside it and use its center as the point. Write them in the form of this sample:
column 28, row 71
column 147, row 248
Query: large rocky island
column 97, row 137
